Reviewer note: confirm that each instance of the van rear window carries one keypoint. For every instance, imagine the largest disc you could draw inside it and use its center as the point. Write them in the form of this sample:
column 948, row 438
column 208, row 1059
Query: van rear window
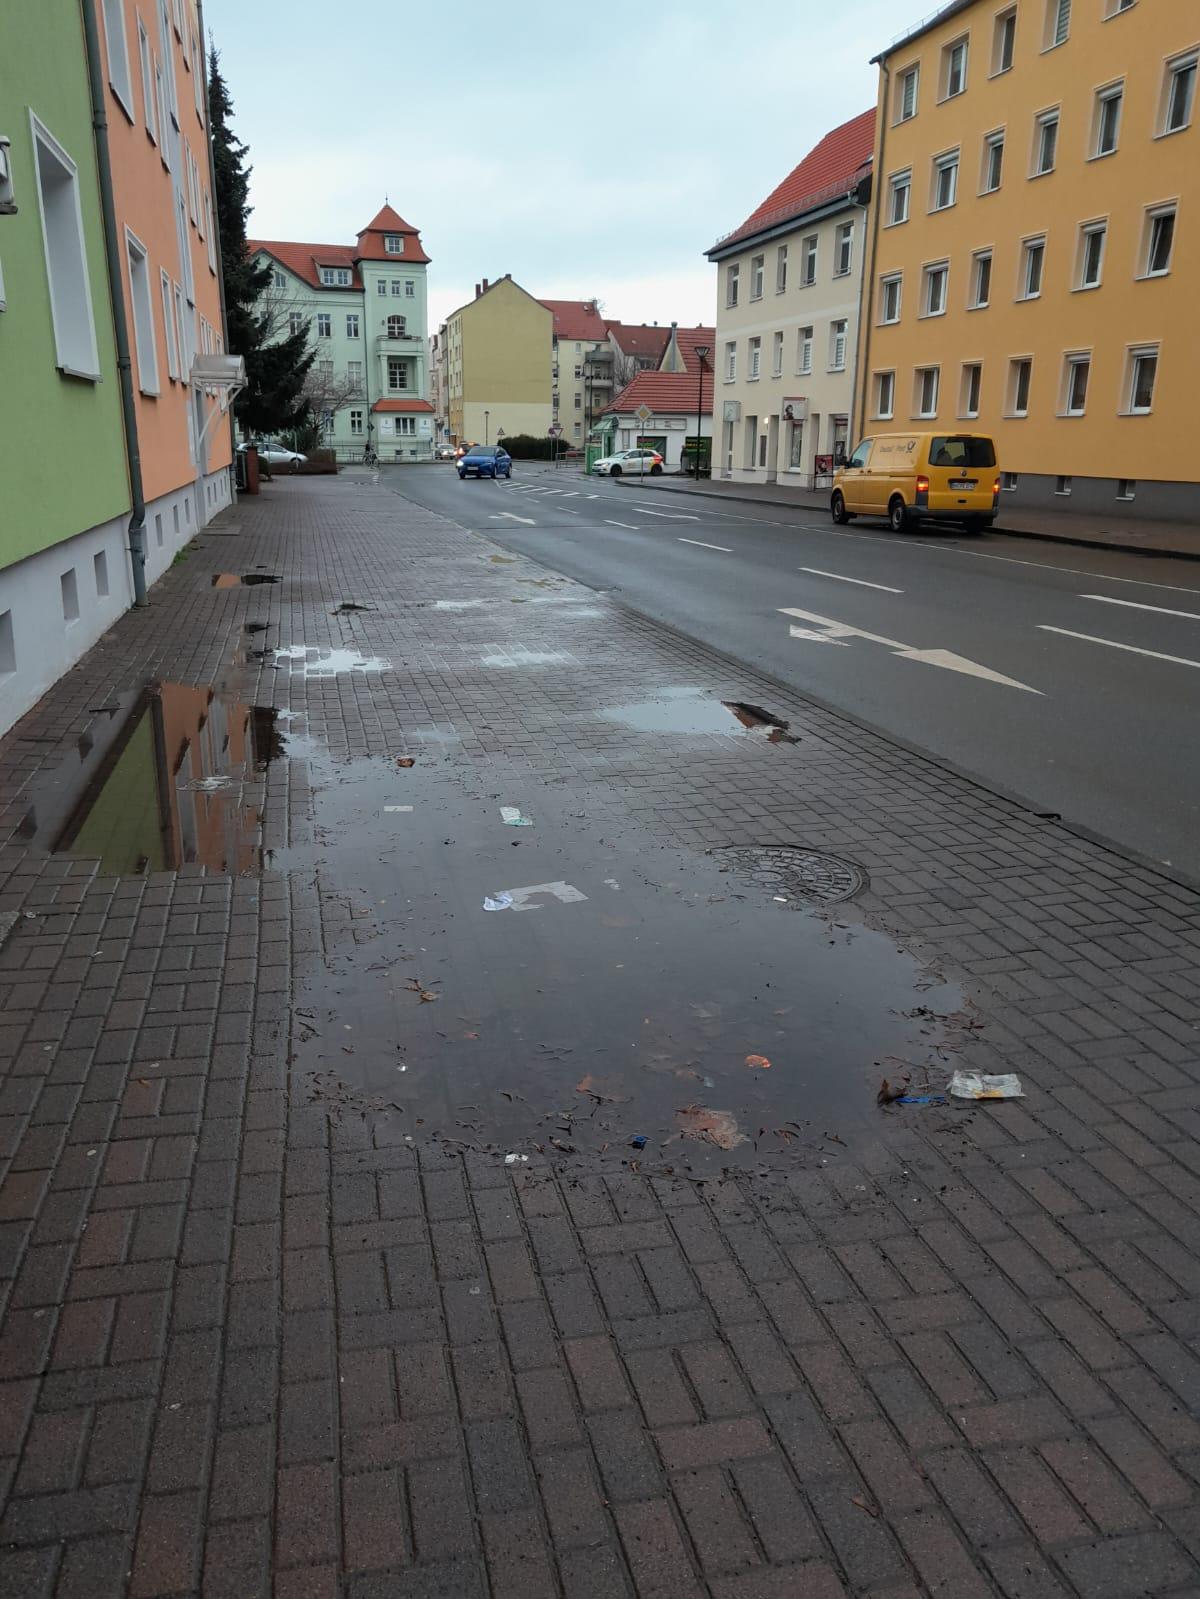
column 969, row 450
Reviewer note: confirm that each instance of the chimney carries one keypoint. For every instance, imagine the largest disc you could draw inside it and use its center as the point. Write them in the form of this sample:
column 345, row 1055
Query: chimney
column 485, row 285
column 478, row 291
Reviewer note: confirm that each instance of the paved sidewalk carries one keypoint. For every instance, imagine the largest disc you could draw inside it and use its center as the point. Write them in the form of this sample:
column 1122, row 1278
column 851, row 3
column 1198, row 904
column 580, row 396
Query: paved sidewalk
column 1148, row 535
column 262, row 1336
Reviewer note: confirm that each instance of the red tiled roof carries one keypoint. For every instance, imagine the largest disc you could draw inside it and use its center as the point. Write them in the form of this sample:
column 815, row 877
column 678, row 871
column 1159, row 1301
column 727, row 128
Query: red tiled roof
column 576, row 319
column 831, row 168
column 640, row 338
column 303, row 259
column 370, row 239
column 666, row 393
column 386, row 220
column 687, row 340
column 407, row 407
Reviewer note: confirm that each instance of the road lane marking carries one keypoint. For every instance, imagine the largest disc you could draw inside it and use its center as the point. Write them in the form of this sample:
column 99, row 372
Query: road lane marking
column 1134, row 605
column 628, row 526
column 1088, row 638
column 509, row 516
column 862, row 583
column 700, row 544
column 837, row 632
column 678, row 516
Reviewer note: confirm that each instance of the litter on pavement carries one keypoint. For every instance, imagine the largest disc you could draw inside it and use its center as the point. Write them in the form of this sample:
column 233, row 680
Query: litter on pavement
column 511, row 816
column 497, row 902
column 979, row 1085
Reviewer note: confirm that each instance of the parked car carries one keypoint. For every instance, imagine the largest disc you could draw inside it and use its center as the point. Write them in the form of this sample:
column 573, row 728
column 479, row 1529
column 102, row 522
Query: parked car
column 486, row 460
column 446, row 452
column 276, row 454
column 919, row 477
column 640, row 462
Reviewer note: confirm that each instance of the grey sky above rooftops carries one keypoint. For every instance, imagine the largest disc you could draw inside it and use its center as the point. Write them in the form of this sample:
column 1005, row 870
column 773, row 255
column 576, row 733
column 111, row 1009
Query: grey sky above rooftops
column 585, row 157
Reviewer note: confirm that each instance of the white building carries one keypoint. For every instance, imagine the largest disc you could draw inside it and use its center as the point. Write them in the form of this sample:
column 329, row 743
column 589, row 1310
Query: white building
column 664, row 407
column 789, row 296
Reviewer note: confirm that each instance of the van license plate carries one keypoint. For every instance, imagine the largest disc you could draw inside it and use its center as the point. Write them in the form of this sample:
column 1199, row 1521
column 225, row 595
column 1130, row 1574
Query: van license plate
column 963, row 482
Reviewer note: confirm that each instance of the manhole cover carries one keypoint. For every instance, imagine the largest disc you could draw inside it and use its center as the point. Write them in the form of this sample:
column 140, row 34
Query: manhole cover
column 803, row 873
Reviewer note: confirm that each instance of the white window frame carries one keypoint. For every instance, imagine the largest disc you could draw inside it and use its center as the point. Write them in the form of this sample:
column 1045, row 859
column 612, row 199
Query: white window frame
column 921, row 410
column 1035, row 243
column 754, row 360
column 839, row 343
column 164, row 111
column 843, row 250
column 758, row 274
column 352, row 332
column 410, row 288
column 949, row 161
column 978, row 257
column 1058, row 24
column 884, row 389
column 356, row 422
column 141, row 302
column 992, row 142
column 810, row 260
column 1111, row 93
column 146, row 63
column 966, row 410
column 396, row 366
column 1155, row 214
column 731, row 361
column 1134, row 355
column 76, row 353
column 393, row 244
column 199, row 76
column 325, row 317
column 777, row 354
column 907, row 75
column 805, row 339
column 935, row 272
column 210, row 233
column 888, row 282
column 999, row 33
column 781, row 269
column 956, row 54
column 899, row 183
column 170, row 333
column 1050, row 117
column 116, row 46
column 1072, row 360
column 295, row 323
column 1088, row 231
column 733, row 276
column 1011, row 408
column 1183, row 61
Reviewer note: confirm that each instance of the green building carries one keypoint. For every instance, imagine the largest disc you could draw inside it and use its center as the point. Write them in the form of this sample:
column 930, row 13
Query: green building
column 64, row 496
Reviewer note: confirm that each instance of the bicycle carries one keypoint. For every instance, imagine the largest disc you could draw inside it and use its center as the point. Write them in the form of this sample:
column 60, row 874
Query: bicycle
column 370, row 458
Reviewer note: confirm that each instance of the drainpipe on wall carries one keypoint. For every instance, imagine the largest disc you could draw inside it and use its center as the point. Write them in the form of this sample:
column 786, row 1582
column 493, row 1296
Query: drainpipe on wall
column 215, row 225
column 116, row 293
column 863, row 206
column 879, row 194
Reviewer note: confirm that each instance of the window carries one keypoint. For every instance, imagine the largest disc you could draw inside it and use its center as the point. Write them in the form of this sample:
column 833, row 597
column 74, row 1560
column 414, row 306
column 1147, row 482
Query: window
column 393, row 244
column 890, row 289
column 844, row 249
column 777, row 355
column 325, row 371
column 804, row 351
column 100, row 574
column 1126, row 488
column 210, row 231
column 1091, row 254
column 335, row 277
column 968, row 400
column 1062, row 485
column 160, row 95
column 1160, row 238
column 117, row 49
column 1020, row 372
column 1008, row 482
column 8, row 651
column 66, row 262
column 954, row 68
column 354, row 376
column 352, row 325
column 1076, row 371
column 295, row 322
column 396, row 326
column 69, row 587
column 1033, row 260
column 933, row 296
column 732, row 274
column 142, row 301
column 755, row 358
column 579, row 402
column 169, row 328
column 1058, row 23
column 945, row 181
column 730, row 361
column 1142, row 370
column 1106, row 120
column 1004, row 38
column 781, row 269
column 406, row 424
column 925, row 390
column 381, row 286
column 885, row 394
column 324, row 325
column 356, row 424
column 756, row 277
column 906, row 93
column 808, row 270
column 397, row 372
column 993, row 162
column 899, row 195
column 149, row 111
column 1045, row 143
column 1114, row 8
column 837, row 345
column 410, row 289
column 1180, row 95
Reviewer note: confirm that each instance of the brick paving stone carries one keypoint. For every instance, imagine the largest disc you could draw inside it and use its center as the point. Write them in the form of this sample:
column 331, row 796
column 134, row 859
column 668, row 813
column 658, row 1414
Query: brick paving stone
column 241, row 1346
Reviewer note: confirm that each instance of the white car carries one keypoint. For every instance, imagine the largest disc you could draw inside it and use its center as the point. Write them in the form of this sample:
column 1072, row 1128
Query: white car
column 276, row 454
column 640, row 463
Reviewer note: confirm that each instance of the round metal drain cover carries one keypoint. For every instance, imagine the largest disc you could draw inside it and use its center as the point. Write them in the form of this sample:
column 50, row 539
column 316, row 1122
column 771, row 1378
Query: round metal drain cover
column 804, row 873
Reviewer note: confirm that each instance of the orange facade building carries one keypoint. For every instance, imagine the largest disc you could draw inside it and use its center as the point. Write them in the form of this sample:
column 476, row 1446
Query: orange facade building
column 155, row 74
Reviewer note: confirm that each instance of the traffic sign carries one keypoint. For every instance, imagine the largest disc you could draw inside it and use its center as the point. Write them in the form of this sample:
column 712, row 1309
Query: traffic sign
column 643, row 413
column 555, row 430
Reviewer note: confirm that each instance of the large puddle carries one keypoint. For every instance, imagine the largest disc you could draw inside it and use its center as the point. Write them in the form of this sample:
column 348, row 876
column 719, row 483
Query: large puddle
column 691, row 710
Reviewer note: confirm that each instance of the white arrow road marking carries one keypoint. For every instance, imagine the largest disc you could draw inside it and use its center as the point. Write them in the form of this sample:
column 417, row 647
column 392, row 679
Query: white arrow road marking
column 700, row 544
column 861, row 582
column 1155, row 655
column 1108, row 599
column 680, row 516
column 839, row 631
column 811, row 634
column 509, row 516
column 561, row 891
column 591, row 496
column 627, row 525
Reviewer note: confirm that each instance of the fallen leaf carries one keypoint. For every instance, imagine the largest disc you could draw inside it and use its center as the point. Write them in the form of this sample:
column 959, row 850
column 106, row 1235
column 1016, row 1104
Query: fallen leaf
column 717, row 1127
column 863, row 1504
column 760, row 1062
column 405, row 760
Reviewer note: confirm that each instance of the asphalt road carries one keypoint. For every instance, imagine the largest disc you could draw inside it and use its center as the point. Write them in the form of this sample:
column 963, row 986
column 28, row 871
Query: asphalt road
column 1065, row 676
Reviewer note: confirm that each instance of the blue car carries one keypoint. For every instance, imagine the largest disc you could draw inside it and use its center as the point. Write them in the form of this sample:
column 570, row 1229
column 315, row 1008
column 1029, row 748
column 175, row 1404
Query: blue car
column 485, row 460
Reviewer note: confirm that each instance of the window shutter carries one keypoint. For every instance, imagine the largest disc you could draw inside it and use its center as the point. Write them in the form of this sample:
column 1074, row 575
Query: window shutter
column 1062, row 25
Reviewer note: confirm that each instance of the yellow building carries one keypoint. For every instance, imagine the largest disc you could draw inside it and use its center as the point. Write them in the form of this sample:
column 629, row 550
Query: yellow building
column 497, row 365
column 1035, row 261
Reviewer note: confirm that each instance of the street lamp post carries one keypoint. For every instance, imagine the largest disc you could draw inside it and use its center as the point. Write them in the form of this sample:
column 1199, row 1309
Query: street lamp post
column 486, row 415
column 702, row 353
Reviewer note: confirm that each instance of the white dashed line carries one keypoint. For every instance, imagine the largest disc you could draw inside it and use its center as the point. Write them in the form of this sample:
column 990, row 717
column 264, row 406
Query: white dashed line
column 861, row 582
column 701, row 545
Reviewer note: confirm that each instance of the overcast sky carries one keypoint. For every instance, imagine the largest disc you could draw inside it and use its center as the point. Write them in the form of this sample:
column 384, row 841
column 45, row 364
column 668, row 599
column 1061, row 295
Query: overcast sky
column 585, row 157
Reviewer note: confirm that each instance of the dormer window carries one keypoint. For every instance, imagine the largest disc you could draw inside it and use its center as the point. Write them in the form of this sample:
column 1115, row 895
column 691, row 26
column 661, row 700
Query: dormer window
column 335, row 277
column 393, row 244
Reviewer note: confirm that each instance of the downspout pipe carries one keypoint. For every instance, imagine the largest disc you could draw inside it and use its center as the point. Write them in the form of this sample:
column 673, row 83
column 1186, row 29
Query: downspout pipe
column 879, row 198
column 215, row 224
column 116, row 293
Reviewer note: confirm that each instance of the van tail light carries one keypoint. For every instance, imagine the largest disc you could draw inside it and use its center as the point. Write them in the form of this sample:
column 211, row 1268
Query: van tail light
column 922, row 491
column 995, row 493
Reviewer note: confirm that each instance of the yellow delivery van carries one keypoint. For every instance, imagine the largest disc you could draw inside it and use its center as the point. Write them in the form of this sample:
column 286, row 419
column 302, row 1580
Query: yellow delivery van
column 919, row 477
